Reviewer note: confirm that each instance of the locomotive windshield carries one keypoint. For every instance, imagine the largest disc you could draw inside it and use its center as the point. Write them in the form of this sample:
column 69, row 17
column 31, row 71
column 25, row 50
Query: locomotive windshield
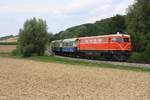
column 120, row 40
column 126, row 39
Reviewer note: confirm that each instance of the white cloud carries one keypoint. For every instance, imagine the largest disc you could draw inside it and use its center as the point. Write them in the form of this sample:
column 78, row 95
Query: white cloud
column 121, row 8
column 108, row 10
column 70, row 7
column 59, row 15
column 28, row 8
column 93, row 8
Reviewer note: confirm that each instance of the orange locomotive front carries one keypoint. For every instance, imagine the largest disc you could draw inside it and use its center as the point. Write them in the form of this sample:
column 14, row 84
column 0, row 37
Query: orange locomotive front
column 118, row 46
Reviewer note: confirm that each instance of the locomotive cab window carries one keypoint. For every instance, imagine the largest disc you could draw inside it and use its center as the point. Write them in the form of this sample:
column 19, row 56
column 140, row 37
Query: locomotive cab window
column 126, row 39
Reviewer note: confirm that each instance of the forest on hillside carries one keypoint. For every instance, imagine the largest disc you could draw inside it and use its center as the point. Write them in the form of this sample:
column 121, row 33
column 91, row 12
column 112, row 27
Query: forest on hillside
column 105, row 26
column 136, row 23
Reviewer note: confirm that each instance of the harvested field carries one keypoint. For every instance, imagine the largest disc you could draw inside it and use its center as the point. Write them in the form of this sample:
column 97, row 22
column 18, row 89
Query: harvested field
column 32, row 80
column 7, row 48
column 14, row 39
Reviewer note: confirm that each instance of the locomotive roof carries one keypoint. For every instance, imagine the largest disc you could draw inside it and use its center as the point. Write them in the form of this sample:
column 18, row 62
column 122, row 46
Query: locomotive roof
column 74, row 39
column 105, row 36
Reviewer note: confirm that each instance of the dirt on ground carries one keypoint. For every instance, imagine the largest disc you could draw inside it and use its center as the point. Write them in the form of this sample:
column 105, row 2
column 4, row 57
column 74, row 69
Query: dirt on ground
column 33, row 80
column 7, row 48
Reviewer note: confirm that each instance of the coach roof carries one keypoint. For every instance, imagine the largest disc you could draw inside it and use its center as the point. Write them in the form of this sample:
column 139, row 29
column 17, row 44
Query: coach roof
column 70, row 40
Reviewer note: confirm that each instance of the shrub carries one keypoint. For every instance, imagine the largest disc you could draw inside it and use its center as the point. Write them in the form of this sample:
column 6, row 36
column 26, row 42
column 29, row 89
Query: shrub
column 146, row 54
column 33, row 38
column 135, row 57
column 14, row 52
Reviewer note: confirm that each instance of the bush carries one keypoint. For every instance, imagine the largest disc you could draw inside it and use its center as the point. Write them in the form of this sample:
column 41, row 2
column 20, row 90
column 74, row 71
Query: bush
column 33, row 38
column 14, row 52
column 146, row 54
column 136, row 57
column 139, row 57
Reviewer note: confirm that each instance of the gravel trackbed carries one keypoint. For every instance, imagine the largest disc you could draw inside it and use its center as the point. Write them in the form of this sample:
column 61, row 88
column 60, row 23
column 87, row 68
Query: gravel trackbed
column 33, row 80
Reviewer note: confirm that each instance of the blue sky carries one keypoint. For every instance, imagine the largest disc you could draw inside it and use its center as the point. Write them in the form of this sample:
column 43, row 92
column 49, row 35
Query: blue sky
column 59, row 14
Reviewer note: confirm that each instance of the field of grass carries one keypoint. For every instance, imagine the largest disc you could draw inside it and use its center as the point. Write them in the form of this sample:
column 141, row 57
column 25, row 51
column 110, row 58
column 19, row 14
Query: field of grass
column 85, row 63
column 56, row 59
column 57, row 79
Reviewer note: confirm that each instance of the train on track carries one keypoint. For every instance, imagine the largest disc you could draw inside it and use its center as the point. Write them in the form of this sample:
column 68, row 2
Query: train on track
column 115, row 46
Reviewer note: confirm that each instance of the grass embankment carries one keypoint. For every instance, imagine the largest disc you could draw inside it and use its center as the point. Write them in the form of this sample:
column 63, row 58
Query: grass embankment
column 55, row 59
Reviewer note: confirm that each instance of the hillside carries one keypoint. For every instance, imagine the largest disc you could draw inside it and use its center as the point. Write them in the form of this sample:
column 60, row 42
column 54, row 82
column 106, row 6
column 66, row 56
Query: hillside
column 105, row 26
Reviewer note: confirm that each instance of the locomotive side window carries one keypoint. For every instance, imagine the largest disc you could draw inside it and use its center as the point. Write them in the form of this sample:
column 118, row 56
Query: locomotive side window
column 94, row 40
column 82, row 41
column 86, row 41
column 103, row 40
column 99, row 40
column 91, row 40
column 117, row 39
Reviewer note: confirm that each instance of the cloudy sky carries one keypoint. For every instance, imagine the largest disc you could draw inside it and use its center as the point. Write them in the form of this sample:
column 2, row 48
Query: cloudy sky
column 59, row 14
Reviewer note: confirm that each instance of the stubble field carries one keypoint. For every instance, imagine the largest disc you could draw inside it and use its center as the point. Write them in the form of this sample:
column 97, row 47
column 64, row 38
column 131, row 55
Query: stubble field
column 7, row 48
column 33, row 80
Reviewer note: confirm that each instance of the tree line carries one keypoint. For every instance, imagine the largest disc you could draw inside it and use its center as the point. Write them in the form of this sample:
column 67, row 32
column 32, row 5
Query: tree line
column 105, row 26
column 34, row 35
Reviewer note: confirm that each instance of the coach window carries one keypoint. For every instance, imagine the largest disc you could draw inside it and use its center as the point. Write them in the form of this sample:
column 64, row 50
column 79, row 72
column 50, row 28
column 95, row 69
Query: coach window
column 64, row 44
column 56, row 44
column 69, row 44
column 72, row 43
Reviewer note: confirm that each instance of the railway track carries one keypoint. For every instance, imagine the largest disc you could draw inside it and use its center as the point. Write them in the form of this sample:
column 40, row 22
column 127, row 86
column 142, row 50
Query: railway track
column 109, row 62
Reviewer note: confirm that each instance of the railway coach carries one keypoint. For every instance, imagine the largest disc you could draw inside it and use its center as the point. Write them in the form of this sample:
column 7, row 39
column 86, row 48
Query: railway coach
column 70, row 47
column 65, row 47
column 56, row 47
